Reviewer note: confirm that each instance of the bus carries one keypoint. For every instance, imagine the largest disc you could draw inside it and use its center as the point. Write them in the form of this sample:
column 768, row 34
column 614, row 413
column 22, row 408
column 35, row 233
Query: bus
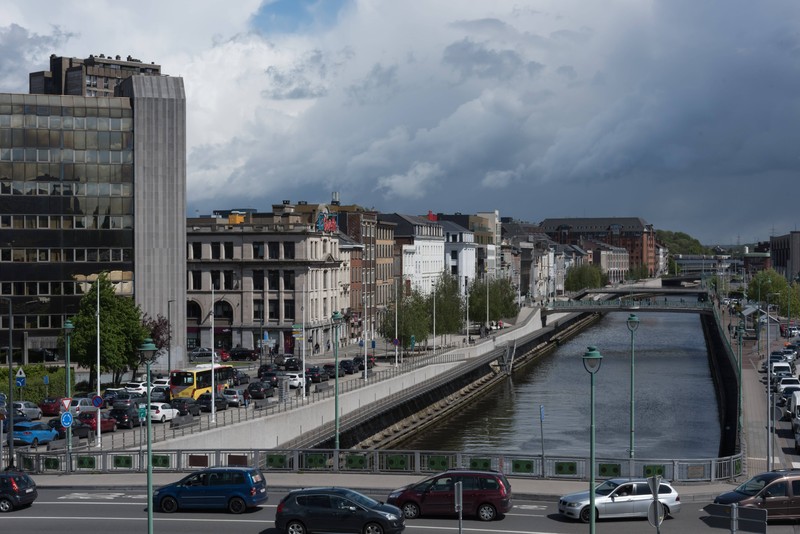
column 195, row 381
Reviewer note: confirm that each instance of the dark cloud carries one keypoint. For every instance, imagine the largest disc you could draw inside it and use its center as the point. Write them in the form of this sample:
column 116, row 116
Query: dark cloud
column 22, row 51
column 470, row 59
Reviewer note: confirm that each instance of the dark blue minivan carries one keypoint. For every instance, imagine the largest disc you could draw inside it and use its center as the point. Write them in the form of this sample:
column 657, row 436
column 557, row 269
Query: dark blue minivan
column 233, row 488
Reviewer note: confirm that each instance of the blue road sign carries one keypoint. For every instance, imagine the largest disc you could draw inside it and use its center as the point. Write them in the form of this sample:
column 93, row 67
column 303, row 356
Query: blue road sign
column 97, row 401
column 66, row 419
column 20, row 380
column 46, row 379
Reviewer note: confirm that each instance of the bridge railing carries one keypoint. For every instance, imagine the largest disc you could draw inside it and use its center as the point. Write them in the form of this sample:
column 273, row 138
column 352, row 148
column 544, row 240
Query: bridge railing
column 625, row 304
column 377, row 462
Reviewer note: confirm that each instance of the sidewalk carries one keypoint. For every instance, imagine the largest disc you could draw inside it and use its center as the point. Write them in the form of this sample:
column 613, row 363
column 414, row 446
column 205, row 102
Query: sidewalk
column 523, row 488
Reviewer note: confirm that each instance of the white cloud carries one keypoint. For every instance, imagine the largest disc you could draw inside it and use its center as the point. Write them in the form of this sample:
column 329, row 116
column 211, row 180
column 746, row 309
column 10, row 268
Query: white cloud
column 419, row 181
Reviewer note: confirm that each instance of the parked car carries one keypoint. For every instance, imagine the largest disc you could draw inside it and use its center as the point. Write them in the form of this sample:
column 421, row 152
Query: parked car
column 270, row 377
column 186, row 405
column 204, row 401
column 161, row 382
column 316, row 374
column 79, row 405
column 233, row 488
column 348, row 366
column 160, row 394
column 292, row 364
column 33, row 433
column 17, row 490
column 126, row 399
column 51, row 406
column 200, row 353
column 107, row 422
column 138, row 387
column 222, row 355
column 126, row 417
column 773, row 491
column 240, row 377
column 162, row 412
column 260, row 390
column 358, row 361
column 29, row 408
column 619, row 497
column 316, row 509
column 234, row 397
column 296, row 380
column 79, row 428
column 241, row 353
column 110, row 395
column 332, row 370
column 485, row 494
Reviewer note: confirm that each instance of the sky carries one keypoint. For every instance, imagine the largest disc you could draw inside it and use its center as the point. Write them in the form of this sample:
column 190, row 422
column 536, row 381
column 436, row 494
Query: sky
column 683, row 113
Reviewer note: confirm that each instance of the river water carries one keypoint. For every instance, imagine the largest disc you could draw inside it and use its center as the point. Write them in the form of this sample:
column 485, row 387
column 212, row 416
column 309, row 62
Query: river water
column 676, row 411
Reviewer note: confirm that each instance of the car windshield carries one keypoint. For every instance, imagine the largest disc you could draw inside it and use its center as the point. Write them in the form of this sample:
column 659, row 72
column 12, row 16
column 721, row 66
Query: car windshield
column 363, row 500
column 754, row 485
column 606, row 487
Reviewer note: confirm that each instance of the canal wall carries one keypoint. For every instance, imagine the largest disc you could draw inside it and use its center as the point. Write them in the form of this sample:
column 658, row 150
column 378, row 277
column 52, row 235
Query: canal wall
column 724, row 372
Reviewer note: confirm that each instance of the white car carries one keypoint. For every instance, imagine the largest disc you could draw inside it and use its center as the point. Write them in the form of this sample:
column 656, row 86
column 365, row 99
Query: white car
column 619, row 497
column 138, row 387
column 296, row 380
column 161, row 382
column 163, row 412
column 784, row 382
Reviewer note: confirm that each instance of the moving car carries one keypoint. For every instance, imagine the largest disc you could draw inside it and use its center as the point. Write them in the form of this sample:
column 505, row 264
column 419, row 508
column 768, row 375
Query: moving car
column 138, row 387
column 234, row 397
column 348, row 366
column 240, row 377
column 126, row 417
column 260, row 390
column 315, row 374
column 233, row 488
column 79, row 428
column 204, row 401
column 331, row 370
column 162, row 412
column 295, row 380
column 316, row 509
column 17, row 490
column 777, row 492
column 78, row 405
column 33, row 434
column 485, row 494
column 241, row 353
column 620, row 497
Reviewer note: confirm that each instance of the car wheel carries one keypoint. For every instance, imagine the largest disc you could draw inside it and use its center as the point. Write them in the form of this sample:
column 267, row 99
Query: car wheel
column 666, row 510
column 169, row 505
column 585, row 517
column 373, row 528
column 410, row 510
column 295, row 527
column 5, row 505
column 236, row 505
column 486, row 512
column 163, row 419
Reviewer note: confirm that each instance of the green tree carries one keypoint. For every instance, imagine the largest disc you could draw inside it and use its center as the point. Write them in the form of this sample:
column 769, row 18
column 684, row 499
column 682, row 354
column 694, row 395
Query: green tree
column 413, row 319
column 765, row 283
column 121, row 331
column 449, row 305
column 585, row 276
column 680, row 243
column 502, row 300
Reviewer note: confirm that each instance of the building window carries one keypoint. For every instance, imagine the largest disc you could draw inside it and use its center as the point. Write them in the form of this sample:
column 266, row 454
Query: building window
column 258, row 310
column 288, row 310
column 288, row 280
column 258, row 280
column 215, row 280
column 273, row 310
column 196, row 251
column 273, row 280
column 230, row 283
column 228, row 250
column 215, row 251
column 274, row 251
column 258, row 251
column 288, row 250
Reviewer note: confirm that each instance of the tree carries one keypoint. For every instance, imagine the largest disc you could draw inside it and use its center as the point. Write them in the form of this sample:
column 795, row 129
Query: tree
column 585, row 276
column 121, row 331
column 413, row 319
column 502, row 300
column 764, row 283
column 449, row 305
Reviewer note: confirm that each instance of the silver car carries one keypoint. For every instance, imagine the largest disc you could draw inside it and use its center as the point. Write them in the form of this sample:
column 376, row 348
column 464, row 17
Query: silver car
column 620, row 497
column 28, row 408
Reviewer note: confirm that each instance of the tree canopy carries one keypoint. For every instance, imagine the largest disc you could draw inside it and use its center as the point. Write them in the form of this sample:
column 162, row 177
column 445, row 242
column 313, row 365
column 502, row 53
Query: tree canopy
column 584, row 276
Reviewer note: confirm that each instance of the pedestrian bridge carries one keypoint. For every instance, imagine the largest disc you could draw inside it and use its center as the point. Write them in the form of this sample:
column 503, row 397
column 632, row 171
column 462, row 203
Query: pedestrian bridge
column 636, row 305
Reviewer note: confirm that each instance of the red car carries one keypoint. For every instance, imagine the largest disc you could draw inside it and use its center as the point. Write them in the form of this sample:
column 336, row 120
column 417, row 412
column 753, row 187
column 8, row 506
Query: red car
column 51, row 406
column 223, row 355
column 108, row 423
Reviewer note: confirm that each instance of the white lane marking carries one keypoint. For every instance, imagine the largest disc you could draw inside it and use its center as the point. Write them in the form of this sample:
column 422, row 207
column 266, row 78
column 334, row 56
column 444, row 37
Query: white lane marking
column 164, row 519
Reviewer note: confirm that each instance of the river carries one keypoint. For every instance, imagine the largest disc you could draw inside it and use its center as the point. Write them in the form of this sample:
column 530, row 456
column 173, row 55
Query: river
column 676, row 411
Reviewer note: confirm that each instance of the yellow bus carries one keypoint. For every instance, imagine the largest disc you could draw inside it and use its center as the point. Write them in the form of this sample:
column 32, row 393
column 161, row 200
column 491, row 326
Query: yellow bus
column 195, row 381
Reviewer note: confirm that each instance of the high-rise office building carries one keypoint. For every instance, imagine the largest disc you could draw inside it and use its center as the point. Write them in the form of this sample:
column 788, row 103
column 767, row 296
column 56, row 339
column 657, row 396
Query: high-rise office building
column 91, row 185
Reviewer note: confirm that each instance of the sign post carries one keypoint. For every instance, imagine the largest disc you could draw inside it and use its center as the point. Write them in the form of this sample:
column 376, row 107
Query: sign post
column 735, row 519
column 655, row 514
column 459, row 496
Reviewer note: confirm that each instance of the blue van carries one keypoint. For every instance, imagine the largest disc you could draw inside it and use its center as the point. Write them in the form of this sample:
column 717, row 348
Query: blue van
column 233, row 488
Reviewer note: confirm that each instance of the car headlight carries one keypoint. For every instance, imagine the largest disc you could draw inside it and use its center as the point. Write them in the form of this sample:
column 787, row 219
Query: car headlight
column 389, row 516
column 572, row 504
column 394, row 494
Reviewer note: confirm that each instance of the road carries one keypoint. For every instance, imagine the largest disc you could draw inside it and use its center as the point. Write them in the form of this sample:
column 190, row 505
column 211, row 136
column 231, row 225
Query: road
column 125, row 512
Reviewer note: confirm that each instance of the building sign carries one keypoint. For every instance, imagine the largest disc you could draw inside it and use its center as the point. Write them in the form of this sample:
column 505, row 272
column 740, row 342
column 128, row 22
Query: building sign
column 326, row 222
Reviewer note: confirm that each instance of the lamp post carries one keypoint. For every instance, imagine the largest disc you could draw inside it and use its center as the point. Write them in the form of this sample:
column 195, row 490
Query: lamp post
column 740, row 334
column 633, row 324
column 97, row 319
column 68, row 328
column 337, row 318
column 10, row 404
column 591, row 362
column 147, row 352
column 770, row 412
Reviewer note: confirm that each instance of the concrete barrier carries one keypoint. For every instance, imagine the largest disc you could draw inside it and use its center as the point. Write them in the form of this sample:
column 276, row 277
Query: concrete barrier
column 184, row 420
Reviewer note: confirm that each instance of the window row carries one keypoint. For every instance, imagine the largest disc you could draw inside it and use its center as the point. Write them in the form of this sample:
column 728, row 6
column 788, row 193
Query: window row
column 66, row 155
column 67, row 222
column 66, row 189
column 66, row 255
column 79, row 140
column 43, row 289
column 56, row 122
column 274, row 250
column 66, row 172
column 31, row 322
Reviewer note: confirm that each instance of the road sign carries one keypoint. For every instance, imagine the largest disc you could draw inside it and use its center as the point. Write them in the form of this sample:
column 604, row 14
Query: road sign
column 66, row 419
column 142, row 412
column 655, row 514
column 20, row 382
column 65, row 402
column 97, row 401
column 46, row 380
column 654, row 482
column 20, row 373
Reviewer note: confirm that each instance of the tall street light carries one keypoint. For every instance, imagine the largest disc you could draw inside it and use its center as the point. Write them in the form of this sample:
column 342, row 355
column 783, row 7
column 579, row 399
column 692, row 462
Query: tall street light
column 770, row 410
column 740, row 334
column 10, row 404
column 633, row 324
column 147, row 353
column 591, row 362
column 68, row 328
column 337, row 319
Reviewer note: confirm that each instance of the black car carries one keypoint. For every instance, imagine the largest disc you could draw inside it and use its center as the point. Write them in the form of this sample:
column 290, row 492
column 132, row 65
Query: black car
column 204, row 401
column 316, row 374
column 269, row 377
column 240, row 377
column 79, row 428
column 347, row 366
column 240, row 353
column 126, row 417
column 358, row 361
column 260, row 390
column 331, row 370
column 186, row 406
column 316, row 509
column 17, row 490
column 292, row 364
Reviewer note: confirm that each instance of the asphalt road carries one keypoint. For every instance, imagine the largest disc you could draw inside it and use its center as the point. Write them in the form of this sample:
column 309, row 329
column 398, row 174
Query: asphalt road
column 125, row 512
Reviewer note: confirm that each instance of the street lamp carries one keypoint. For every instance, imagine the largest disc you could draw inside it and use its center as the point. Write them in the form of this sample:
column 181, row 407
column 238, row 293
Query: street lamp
column 337, row 319
column 10, row 405
column 591, row 362
column 633, row 324
column 740, row 334
column 147, row 353
column 770, row 411
column 68, row 328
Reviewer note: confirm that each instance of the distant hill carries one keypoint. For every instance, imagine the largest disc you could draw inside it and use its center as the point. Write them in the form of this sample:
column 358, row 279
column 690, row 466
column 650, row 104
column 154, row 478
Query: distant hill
column 681, row 243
